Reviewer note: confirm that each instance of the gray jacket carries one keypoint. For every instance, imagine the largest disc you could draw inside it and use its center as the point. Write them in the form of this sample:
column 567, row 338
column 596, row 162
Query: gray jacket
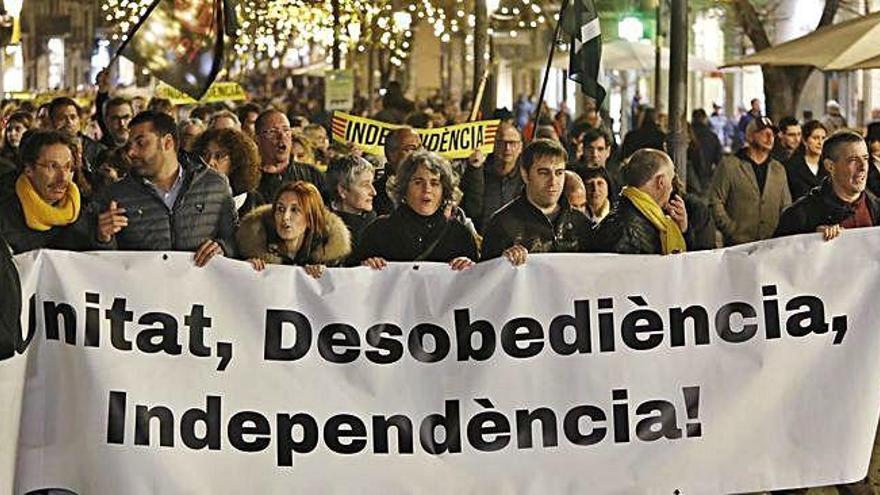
column 204, row 210
column 742, row 212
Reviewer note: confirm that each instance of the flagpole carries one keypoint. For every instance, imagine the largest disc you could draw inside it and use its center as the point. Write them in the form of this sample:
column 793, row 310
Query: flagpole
column 549, row 63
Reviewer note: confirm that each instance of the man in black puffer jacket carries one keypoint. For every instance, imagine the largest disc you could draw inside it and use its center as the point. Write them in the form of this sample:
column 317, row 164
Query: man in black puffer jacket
column 167, row 202
column 841, row 201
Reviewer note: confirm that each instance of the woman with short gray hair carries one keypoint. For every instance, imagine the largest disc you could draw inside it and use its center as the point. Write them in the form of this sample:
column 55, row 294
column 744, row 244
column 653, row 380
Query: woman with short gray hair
column 418, row 229
column 350, row 183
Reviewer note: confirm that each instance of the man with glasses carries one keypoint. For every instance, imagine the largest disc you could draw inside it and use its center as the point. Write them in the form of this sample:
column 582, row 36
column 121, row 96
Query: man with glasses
column 275, row 142
column 168, row 202
column 46, row 209
column 502, row 181
column 399, row 144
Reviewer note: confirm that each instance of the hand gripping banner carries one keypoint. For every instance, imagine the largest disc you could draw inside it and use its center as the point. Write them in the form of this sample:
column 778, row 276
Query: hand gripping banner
column 452, row 142
column 727, row 371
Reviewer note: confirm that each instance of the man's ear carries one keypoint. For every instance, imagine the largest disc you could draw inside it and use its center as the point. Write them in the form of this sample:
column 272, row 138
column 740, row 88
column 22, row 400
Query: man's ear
column 340, row 191
column 167, row 142
column 523, row 173
column 828, row 164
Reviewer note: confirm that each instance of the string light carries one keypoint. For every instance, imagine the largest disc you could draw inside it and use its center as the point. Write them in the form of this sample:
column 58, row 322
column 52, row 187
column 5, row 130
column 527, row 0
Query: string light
column 268, row 29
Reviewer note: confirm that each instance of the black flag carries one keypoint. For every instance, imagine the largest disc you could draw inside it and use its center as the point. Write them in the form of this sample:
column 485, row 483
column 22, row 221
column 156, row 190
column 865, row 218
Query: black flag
column 181, row 42
column 581, row 21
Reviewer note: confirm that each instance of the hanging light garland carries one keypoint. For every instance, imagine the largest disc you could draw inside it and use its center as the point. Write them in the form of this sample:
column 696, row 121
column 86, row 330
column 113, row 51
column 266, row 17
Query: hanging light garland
column 269, row 28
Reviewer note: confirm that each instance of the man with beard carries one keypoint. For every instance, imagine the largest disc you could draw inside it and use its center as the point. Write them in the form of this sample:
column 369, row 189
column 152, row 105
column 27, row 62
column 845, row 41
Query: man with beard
column 114, row 114
column 841, row 202
column 537, row 221
column 750, row 189
column 64, row 114
column 45, row 210
column 167, row 202
column 275, row 141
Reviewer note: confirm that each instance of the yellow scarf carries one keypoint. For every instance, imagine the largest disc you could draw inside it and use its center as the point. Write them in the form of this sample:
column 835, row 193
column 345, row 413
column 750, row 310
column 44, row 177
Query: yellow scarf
column 40, row 215
column 671, row 239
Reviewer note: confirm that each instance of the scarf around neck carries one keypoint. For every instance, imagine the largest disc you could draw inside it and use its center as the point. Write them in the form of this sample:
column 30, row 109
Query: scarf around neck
column 671, row 239
column 40, row 215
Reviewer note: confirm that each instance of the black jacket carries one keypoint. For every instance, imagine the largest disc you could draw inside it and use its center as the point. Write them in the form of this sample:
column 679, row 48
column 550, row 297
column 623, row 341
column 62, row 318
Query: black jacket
column 520, row 222
column 709, row 148
column 873, row 184
column 78, row 236
column 820, row 207
column 253, row 201
column 800, row 178
column 203, row 210
column 356, row 223
column 10, row 302
column 405, row 236
column 270, row 184
column 648, row 136
column 626, row 231
column 497, row 191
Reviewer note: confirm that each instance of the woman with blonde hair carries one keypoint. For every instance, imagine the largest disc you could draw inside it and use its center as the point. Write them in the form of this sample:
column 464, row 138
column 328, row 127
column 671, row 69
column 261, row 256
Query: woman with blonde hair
column 296, row 229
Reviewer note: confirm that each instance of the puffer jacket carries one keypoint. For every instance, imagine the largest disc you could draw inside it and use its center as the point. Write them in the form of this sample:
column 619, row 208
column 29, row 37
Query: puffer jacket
column 256, row 239
column 519, row 222
column 204, row 210
column 820, row 207
column 626, row 231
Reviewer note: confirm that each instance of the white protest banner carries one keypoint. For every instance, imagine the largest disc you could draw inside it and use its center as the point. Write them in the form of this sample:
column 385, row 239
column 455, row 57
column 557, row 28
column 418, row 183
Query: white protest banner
column 729, row 371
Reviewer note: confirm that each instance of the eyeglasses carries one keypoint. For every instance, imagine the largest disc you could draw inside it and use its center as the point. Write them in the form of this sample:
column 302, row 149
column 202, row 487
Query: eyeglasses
column 217, row 155
column 56, row 167
column 277, row 133
column 512, row 144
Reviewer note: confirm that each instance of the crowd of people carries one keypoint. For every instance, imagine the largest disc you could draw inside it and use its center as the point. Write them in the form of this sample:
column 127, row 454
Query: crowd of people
column 263, row 183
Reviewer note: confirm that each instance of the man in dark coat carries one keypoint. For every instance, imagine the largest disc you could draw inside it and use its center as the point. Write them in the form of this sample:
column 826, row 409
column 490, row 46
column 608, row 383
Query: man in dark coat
column 502, row 180
column 166, row 203
column 45, row 209
column 539, row 220
column 647, row 219
column 275, row 142
column 65, row 116
column 841, row 202
column 788, row 139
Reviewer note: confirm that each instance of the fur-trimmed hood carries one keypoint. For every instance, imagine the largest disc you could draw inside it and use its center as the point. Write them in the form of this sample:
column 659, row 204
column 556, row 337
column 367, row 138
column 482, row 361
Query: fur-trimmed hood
column 253, row 238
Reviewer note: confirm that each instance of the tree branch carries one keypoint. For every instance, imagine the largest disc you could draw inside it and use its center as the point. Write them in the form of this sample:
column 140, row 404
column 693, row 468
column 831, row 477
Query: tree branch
column 828, row 12
column 748, row 18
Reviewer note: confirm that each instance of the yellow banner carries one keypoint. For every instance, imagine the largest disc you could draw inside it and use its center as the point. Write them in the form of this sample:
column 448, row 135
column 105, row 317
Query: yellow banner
column 46, row 97
column 219, row 91
column 452, row 142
